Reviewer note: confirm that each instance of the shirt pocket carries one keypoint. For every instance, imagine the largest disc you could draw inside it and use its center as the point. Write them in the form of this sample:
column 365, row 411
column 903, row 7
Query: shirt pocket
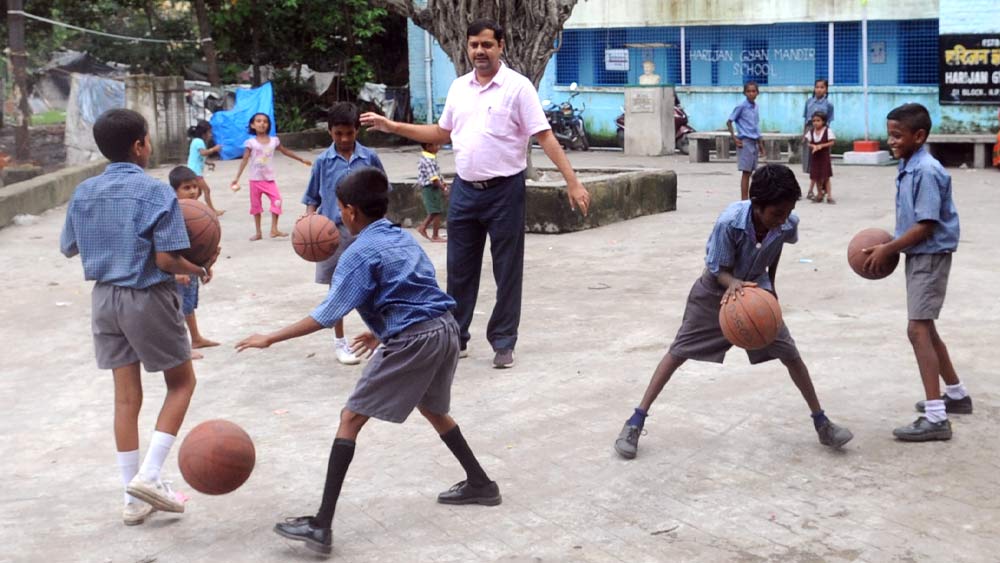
column 499, row 122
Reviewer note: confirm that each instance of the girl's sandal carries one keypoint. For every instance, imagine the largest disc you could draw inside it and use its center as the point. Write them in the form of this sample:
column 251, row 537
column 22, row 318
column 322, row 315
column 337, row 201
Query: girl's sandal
column 830, row 200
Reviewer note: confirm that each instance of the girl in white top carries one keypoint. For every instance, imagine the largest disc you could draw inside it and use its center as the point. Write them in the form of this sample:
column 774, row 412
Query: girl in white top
column 259, row 152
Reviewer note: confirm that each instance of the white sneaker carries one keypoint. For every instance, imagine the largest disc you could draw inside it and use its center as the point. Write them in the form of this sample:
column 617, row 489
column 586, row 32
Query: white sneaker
column 135, row 513
column 157, row 493
column 344, row 353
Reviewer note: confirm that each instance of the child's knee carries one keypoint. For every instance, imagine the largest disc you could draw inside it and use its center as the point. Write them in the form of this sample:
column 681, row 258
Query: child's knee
column 919, row 332
column 128, row 402
column 181, row 379
column 352, row 420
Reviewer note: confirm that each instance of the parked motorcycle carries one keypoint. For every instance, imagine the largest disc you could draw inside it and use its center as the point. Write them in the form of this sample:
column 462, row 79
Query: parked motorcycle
column 681, row 127
column 567, row 122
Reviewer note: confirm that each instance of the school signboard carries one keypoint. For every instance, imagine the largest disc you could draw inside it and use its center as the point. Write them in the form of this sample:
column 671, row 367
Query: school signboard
column 969, row 69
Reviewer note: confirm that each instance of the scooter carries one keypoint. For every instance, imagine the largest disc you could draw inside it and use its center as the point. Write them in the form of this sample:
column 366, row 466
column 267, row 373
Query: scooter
column 567, row 122
column 681, row 127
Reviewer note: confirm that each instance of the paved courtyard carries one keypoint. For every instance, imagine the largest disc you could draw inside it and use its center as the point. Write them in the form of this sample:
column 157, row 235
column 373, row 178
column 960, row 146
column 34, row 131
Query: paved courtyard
column 730, row 469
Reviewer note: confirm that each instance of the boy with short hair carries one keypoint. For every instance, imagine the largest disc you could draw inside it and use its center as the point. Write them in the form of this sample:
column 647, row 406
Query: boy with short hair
column 433, row 189
column 389, row 279
column 185, row 183
column 927, row 230
column 345, row 155
column 742, row 251
column 747, row 118
column 128, row 229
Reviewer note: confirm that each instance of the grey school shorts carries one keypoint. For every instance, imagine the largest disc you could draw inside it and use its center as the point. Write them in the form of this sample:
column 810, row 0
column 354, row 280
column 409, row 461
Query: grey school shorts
column 748, row 155
column 415, row 367
column 700, row 336
column 133, row 325
column 926, row 284
column 325, row 269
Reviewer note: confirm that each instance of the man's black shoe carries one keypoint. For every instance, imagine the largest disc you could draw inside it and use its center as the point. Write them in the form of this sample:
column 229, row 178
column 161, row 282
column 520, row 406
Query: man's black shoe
column 952, row 406
column 923, row 430
column 465, row 493
column 301, row 529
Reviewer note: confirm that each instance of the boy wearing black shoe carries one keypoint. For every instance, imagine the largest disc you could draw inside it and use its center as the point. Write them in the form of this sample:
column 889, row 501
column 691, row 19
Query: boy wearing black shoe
column 927, row 231
column 386, row 276
column 742, row 251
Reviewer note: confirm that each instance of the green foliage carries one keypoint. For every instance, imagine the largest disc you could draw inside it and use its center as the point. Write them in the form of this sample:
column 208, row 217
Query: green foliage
column 296, row 106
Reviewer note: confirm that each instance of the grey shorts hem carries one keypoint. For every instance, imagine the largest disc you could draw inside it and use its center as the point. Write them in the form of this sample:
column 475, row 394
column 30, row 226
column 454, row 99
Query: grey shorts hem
column 700, row 336
column 414, row 368
column 748, row 155
column 926, row 285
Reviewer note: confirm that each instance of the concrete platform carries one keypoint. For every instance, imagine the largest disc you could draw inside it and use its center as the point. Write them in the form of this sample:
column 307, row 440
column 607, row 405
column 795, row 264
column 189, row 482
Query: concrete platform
column 730, row 469
column 874, row 158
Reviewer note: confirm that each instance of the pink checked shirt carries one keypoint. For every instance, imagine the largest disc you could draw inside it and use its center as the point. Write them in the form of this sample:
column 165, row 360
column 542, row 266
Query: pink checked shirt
column 490, row 125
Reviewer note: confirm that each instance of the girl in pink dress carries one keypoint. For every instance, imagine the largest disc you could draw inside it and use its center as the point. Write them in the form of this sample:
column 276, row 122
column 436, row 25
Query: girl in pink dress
column 259, row 152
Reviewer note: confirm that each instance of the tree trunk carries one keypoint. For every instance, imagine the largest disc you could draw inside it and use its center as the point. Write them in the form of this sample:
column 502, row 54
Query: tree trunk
column 19, row 60
column 255, row 43
column 207, row 45
column 531, row 28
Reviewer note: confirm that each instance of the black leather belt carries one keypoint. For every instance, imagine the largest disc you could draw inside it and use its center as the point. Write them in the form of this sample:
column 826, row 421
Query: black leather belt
column 487, row 184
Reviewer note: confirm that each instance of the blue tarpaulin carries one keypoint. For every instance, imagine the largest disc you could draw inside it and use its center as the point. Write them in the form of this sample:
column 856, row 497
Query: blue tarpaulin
column 230, row 128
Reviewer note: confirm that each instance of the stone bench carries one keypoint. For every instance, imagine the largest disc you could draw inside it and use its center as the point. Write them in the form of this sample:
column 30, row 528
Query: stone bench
column 774, row 146
column 982, row 144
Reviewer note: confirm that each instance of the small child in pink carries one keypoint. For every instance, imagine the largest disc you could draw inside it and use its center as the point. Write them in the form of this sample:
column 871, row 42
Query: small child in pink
column 259, row 152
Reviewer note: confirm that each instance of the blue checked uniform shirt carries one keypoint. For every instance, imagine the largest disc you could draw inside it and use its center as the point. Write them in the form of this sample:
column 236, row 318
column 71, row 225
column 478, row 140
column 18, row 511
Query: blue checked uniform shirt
column 813, row 105
column 117, row 221
column 328, row 171
column 427, row 169
column 733, row 245
column 923, row 193
column 746, row 116
column 386, row 276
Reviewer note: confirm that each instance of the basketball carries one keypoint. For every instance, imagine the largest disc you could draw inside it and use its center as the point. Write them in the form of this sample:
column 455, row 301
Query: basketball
column 315, row 238
column 867, row 239
column 216, row 457
column 203, row 230
column 752, row 321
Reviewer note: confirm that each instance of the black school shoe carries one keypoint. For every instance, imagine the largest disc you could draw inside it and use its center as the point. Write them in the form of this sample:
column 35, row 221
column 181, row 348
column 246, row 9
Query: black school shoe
column 301, row 529
column 464, row 492
column 923, row 430
column 832, row 435
column 951, row 406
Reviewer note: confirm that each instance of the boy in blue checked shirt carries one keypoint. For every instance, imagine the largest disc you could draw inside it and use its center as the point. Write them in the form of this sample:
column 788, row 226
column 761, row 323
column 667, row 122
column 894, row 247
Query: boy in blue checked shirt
column 927, row 231
column 433, row 189
column 747, row 119
column 386, row 276
column 345, row 155
column 128, row 228
column 742, row 251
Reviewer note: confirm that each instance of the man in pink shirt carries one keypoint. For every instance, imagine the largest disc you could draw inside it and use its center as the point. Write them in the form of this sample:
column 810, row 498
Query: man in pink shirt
column 489, row 116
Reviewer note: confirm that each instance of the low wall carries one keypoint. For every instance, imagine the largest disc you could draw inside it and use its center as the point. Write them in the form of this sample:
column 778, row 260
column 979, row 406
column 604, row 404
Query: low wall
column 44, row 192
column 616, row 195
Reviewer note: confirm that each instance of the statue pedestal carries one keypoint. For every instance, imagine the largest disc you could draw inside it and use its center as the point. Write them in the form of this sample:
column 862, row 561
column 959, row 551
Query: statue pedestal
column 649, row 120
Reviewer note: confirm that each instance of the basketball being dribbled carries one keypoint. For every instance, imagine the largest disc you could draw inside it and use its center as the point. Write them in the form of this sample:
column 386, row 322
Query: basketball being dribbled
column 203, row 230
column 216, row 457
column 752, row 320
column 867, row 239
column 315, row 238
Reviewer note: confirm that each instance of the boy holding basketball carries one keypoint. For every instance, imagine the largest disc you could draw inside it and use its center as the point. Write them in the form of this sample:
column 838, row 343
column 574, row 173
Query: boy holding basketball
column 345, row 155
column 186, row 185
column 927, row 230
column 742, row 251
column 389, row 279
column 128, row 230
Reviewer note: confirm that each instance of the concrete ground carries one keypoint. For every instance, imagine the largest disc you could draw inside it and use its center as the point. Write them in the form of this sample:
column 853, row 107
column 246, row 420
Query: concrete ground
column 730, row 469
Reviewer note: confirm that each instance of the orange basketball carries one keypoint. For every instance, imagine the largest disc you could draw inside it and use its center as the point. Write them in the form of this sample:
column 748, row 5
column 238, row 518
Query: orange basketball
column 752, row 320
column 315, row 237
column 216, row 457
column 203, row 230
column 867, row 239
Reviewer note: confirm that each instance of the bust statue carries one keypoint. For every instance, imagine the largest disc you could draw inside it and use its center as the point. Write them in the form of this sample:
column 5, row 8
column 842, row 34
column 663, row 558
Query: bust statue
column 649, row 76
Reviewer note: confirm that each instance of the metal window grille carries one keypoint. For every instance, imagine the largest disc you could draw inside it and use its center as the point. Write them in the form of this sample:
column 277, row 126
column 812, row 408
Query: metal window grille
column 900, row 52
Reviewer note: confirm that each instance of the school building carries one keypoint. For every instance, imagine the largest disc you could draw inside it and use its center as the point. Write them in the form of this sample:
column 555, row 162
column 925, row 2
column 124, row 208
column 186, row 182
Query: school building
column 707, row 50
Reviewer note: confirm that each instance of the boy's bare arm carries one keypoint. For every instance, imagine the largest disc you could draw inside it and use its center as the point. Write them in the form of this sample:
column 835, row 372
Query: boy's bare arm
column 303, row 327
column 729, row 125
column 879, row 255
column 294, row 156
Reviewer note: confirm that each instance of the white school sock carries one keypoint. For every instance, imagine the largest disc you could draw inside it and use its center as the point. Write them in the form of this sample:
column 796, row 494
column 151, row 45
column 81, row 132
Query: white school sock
column 128, row 466
column 956, row 391
column 934, row 410
column 159, row 447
